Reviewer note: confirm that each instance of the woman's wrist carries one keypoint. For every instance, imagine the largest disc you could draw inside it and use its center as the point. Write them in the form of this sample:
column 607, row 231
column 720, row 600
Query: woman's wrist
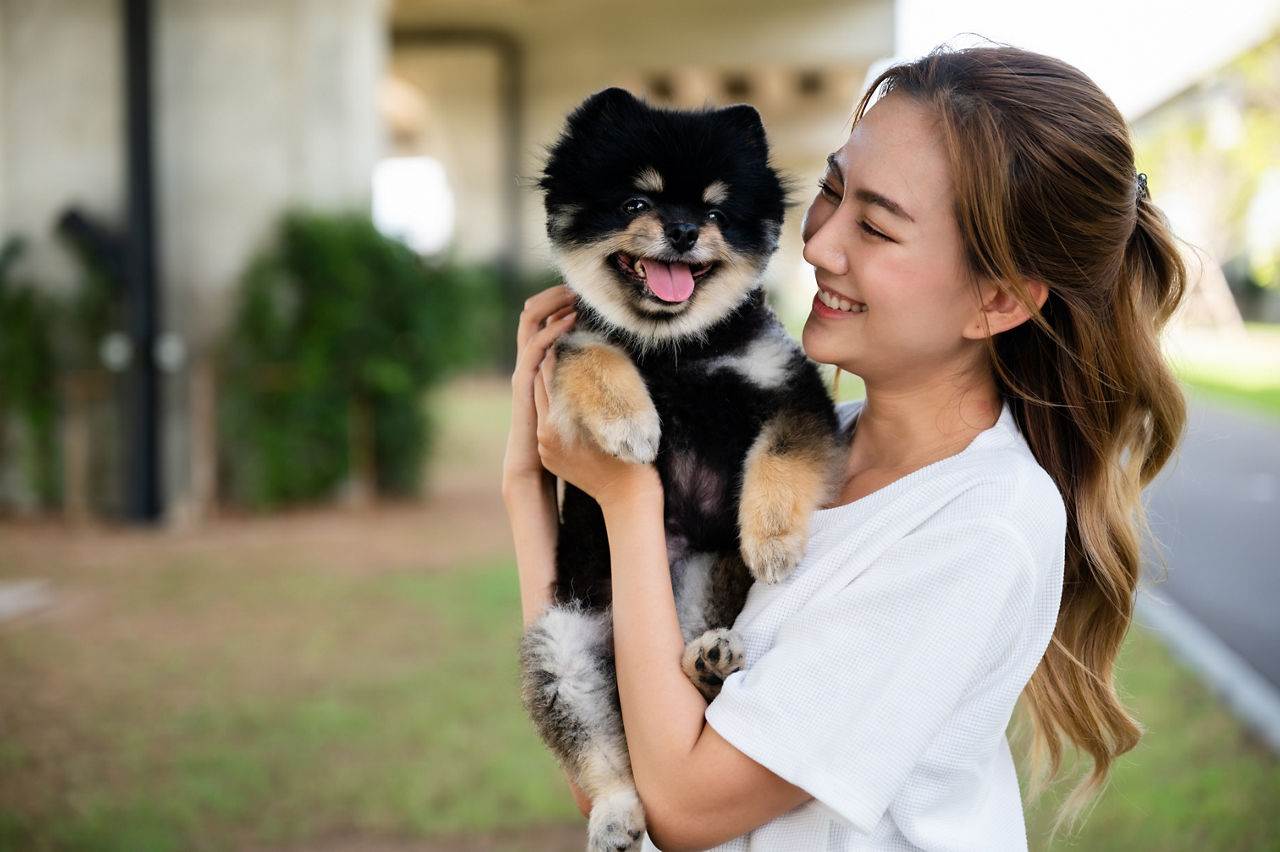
column 635, row 490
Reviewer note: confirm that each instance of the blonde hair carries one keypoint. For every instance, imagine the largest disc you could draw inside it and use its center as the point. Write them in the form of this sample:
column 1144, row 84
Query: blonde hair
column 1046, row 190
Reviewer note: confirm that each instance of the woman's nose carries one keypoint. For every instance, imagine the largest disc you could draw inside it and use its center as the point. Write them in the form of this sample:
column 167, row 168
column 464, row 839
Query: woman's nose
column 823, row 248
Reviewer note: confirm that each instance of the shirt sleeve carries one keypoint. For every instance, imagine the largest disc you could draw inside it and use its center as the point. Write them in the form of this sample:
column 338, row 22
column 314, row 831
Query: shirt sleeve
column 857, row 685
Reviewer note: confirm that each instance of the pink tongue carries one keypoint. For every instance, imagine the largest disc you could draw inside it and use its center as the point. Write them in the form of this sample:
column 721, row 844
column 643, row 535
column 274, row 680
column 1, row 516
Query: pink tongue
column 669, row 282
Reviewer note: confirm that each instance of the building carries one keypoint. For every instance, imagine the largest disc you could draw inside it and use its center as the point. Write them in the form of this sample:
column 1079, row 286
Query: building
column 256, row 105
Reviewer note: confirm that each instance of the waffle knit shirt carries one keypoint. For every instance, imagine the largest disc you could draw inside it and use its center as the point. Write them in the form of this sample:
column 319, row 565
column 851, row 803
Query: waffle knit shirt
column 882, row 674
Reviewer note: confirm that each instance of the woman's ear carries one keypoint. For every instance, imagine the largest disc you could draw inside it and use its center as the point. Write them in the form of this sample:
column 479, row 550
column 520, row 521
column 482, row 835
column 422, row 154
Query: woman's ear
column 1001, row 310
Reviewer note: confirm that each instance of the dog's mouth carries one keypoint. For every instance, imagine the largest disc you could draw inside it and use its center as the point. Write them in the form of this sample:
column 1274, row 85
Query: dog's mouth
column 670, row 282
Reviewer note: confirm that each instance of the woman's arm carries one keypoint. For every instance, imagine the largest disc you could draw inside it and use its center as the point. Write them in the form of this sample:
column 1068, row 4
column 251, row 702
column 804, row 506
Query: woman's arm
column 696, row 788
column 528, row 490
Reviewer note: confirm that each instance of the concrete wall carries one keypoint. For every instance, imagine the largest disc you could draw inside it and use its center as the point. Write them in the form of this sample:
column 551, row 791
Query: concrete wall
column 61, row 122
column 257, row 105
column 264, row 103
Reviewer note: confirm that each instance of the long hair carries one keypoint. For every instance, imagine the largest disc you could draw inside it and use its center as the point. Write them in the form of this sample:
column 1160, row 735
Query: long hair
column 1046, row 190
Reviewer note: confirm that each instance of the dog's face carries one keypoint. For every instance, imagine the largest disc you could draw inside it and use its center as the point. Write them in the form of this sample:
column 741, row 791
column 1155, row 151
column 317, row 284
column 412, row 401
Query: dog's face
column 662, row 221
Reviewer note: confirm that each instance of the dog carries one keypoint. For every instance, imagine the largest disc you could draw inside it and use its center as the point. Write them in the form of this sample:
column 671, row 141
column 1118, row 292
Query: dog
column 662, row 222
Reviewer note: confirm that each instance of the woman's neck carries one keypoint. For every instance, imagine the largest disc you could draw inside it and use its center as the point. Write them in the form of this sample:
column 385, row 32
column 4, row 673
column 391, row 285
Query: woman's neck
column 900, row 432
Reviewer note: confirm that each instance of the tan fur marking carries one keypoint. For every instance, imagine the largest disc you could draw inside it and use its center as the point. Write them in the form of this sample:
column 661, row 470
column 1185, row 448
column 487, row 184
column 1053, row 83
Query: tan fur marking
column 602, row 396
column 649, row 180
column 717, row 192
column 788, row 475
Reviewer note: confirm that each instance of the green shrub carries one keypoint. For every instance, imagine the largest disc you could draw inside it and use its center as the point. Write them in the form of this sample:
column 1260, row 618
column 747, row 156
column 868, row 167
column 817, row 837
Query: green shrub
column 28, row 375
column 336, row 319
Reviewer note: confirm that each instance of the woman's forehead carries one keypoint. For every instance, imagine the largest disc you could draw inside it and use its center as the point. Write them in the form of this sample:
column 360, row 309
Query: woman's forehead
column 896, row 149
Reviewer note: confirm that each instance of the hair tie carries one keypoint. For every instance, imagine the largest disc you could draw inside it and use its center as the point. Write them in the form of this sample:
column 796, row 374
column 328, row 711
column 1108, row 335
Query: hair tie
column 1142, row 185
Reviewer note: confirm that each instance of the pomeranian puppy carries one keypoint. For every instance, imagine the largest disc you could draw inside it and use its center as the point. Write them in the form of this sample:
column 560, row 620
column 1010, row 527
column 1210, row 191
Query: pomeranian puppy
column 662, row 222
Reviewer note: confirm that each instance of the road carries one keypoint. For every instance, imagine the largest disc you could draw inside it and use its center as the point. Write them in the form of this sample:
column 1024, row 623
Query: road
column 1216, row 515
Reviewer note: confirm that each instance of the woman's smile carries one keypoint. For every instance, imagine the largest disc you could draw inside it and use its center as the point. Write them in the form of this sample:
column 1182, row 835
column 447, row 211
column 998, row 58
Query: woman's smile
column 833, row 306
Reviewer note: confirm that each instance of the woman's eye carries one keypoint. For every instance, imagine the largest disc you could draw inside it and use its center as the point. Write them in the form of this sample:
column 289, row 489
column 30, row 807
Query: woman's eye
column 828, row 190
column 633, row 206
column 870, row 230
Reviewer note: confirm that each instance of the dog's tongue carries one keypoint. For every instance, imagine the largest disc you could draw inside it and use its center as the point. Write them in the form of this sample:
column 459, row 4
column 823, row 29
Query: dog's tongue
column 670, row 282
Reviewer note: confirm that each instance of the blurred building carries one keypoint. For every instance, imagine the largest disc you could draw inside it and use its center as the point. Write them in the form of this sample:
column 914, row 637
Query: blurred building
column 255, row 105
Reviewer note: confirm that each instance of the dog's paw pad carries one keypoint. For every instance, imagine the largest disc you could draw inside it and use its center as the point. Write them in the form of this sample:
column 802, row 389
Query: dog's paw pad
column 711, row 658
column 616, row 823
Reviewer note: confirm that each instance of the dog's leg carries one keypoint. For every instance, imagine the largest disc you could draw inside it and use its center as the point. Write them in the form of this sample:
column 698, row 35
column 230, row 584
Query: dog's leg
column 571, row 693
column 788, row 474
column 712, row 657
column 710, row 591
column 598, row 392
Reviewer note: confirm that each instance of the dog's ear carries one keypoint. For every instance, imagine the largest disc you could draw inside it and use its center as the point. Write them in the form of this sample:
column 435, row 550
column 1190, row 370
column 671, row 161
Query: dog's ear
column 746, row 121
column 605, row 106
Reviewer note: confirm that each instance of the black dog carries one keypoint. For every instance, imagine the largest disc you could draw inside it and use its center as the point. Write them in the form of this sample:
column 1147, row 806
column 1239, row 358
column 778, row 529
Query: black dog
column 662, row 223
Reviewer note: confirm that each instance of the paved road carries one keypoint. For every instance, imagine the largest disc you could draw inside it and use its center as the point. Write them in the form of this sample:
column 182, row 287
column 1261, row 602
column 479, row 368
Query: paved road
column 1216, row 513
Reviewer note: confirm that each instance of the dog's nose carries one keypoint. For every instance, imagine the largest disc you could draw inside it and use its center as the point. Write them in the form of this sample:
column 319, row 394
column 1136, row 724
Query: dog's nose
column 682, row 235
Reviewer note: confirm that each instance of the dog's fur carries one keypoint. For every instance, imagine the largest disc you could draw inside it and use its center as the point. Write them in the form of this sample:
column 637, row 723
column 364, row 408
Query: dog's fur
column 701, row 380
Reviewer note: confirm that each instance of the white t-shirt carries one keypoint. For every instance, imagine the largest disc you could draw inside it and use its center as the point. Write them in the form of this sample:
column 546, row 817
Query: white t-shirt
column 881, row 676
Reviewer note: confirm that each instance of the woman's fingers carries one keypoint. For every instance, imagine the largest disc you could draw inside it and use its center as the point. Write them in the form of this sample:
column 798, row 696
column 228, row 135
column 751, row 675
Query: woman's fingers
column 538, row 348
column 540, row 308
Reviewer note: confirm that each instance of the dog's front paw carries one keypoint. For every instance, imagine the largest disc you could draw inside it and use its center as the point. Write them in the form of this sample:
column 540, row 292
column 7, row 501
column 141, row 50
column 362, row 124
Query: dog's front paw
column 599, row 394
column 616, row 823
column 633, row 437
column 711, row 658
column 772, row 557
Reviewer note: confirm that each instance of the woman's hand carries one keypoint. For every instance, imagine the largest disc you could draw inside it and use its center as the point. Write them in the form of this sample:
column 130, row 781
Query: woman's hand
column 545, row 317
column 527, row 489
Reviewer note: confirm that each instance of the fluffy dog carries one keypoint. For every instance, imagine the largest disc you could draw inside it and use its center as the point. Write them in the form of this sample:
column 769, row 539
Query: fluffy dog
column 662, row 222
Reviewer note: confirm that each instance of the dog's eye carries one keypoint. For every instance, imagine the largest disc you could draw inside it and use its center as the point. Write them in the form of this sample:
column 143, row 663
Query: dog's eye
column 633, row 206
column 716, row 216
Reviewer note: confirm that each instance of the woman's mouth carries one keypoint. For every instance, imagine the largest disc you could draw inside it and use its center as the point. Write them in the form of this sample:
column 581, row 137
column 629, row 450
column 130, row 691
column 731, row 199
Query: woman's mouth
column 838, row 303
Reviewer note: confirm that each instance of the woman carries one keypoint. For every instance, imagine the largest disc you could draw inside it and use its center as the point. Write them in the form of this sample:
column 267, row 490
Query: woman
column 988, row 261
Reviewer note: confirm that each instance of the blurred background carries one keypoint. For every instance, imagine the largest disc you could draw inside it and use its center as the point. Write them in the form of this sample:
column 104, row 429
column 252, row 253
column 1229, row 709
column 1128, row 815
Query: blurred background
column 259, row 268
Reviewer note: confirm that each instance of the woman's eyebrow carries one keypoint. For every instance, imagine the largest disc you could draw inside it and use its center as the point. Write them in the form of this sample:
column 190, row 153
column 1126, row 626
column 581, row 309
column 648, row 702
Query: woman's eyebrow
column 868, row 196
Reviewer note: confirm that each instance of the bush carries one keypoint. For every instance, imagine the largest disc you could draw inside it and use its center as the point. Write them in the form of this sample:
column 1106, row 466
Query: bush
column 339, row 335
column 28, row 375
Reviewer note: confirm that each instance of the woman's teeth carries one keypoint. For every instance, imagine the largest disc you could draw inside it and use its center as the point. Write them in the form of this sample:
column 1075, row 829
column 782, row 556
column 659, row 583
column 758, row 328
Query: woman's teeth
column 831, row 300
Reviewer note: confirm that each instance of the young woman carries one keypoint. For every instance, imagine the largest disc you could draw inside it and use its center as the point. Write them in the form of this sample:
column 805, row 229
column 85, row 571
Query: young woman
column 988, row 261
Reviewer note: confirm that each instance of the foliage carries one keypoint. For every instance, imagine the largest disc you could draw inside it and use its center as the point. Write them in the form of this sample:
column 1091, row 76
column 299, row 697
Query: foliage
column 336, row 318
column 1212, row 153
column 28, row 373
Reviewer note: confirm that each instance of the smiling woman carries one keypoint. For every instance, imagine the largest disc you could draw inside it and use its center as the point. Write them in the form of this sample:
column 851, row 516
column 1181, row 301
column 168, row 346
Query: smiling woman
column 987, row 262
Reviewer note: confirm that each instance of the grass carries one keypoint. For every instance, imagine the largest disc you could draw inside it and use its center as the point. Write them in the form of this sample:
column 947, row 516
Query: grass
column 333, row 680
column 1240, row 370
column 1196, row 781
column 382, row 706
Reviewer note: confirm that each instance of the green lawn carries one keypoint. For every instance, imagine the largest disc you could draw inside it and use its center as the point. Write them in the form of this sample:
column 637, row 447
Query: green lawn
column 1239, row 370
column 400, row 719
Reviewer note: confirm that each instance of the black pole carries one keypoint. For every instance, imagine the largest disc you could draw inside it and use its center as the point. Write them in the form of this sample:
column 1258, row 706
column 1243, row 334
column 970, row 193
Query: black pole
column 140, row 264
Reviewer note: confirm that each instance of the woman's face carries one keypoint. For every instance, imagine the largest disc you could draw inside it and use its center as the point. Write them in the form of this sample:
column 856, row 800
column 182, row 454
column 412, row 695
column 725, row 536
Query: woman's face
column 895, row 298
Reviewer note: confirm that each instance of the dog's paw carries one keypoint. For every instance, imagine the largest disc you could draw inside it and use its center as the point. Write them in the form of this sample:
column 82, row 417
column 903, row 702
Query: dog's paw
column 599, row 394
column 616, row 823
column 772, row 558
column 711, row 658
column 632, row 437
